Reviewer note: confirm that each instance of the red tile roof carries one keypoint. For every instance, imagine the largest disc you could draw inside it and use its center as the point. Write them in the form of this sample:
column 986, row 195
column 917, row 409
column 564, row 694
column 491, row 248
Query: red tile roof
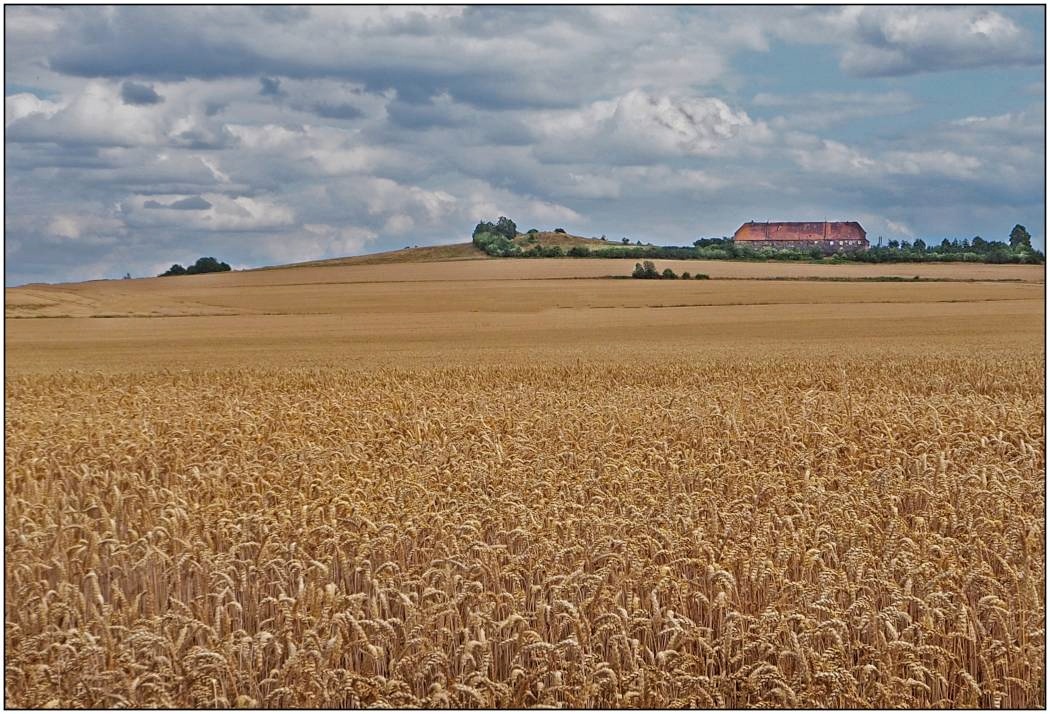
column 811, row 231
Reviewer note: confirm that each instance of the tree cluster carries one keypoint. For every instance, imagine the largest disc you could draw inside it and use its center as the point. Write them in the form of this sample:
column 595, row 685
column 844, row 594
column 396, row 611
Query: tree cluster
column 977, row 250
column 497, row 238
column 203, row 265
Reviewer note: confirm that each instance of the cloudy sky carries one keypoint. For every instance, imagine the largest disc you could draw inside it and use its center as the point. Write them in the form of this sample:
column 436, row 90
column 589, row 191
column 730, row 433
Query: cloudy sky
column 137, row 137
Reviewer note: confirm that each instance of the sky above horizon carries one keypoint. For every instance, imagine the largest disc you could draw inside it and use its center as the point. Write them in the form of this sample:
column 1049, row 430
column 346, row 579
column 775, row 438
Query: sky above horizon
column 138, row 137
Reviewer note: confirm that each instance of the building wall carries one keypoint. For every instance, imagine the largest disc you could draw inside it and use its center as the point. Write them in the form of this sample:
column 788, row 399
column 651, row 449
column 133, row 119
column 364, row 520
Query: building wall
column 827, row 246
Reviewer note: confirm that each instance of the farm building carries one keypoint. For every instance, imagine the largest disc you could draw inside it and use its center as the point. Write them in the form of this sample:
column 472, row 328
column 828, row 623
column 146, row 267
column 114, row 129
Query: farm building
column 830, row 237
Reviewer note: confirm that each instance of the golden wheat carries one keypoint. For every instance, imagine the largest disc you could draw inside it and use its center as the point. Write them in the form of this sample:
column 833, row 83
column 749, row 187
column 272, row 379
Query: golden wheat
column 783, row 533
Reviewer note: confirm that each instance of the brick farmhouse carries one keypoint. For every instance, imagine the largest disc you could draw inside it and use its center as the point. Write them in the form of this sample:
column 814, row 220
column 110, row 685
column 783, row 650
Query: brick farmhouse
column 833, row 237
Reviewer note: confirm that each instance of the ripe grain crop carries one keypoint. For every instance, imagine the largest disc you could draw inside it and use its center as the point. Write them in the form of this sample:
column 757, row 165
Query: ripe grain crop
column 788, row 532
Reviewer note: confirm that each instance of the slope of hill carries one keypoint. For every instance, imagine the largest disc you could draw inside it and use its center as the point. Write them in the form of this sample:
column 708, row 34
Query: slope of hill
column 426, row 254
column 452, row 251
column 565, row 241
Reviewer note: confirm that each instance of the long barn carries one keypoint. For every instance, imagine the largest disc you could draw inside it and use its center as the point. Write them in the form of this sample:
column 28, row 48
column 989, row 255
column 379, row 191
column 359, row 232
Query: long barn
column 830, row 237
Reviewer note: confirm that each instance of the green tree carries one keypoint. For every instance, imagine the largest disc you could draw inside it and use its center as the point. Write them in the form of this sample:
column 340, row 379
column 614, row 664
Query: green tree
column 503, row 226
column 507, row 227
column 176, row 269
column 207, row 265
column 1020, row 238
column 669, row 274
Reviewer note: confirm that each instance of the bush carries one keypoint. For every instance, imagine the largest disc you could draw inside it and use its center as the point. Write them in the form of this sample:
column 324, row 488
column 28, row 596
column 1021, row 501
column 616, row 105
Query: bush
column 496, row 244
column 668, row 274
column 686, row 275
column 578, row 251
column 559, row 230
column 712, row 253
column 701, row 276
column 645, row 271
column 173, row 270
column 531, row 231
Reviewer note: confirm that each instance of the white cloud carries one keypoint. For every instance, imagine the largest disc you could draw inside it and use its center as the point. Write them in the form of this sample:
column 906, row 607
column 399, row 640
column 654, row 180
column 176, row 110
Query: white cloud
column 832, row 157
column 398, row 224
column 94, row 116
column 213, row 167
column 639, row 125
column 19, row 106
column 86, row 229
column 384, row 196
column 1027, row 125
column 899, row 228
column 904, row 40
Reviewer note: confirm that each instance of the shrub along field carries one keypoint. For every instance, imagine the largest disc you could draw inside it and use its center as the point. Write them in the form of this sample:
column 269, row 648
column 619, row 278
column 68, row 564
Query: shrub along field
column 507, row 493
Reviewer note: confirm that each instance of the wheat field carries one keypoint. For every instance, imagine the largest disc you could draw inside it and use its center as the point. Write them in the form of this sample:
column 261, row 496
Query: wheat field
column 802, row 496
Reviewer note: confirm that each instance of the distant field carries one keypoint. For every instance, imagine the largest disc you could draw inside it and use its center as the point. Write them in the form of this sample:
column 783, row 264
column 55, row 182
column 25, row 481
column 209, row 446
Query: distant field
column 497, row 483
column 413, row 313
column 213, row 294
column 527, row 268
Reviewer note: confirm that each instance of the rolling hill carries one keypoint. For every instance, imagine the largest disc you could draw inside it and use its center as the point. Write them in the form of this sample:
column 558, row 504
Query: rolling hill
column 451, row 251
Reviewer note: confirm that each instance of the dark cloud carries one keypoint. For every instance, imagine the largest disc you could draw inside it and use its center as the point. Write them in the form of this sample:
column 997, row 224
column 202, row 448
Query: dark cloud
column 193, row 203
column 337, row 111
column 204, row 138
column 410, row 115
column 137, row 94
column 163, row 43
column 270, row 87
column 282, row 14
